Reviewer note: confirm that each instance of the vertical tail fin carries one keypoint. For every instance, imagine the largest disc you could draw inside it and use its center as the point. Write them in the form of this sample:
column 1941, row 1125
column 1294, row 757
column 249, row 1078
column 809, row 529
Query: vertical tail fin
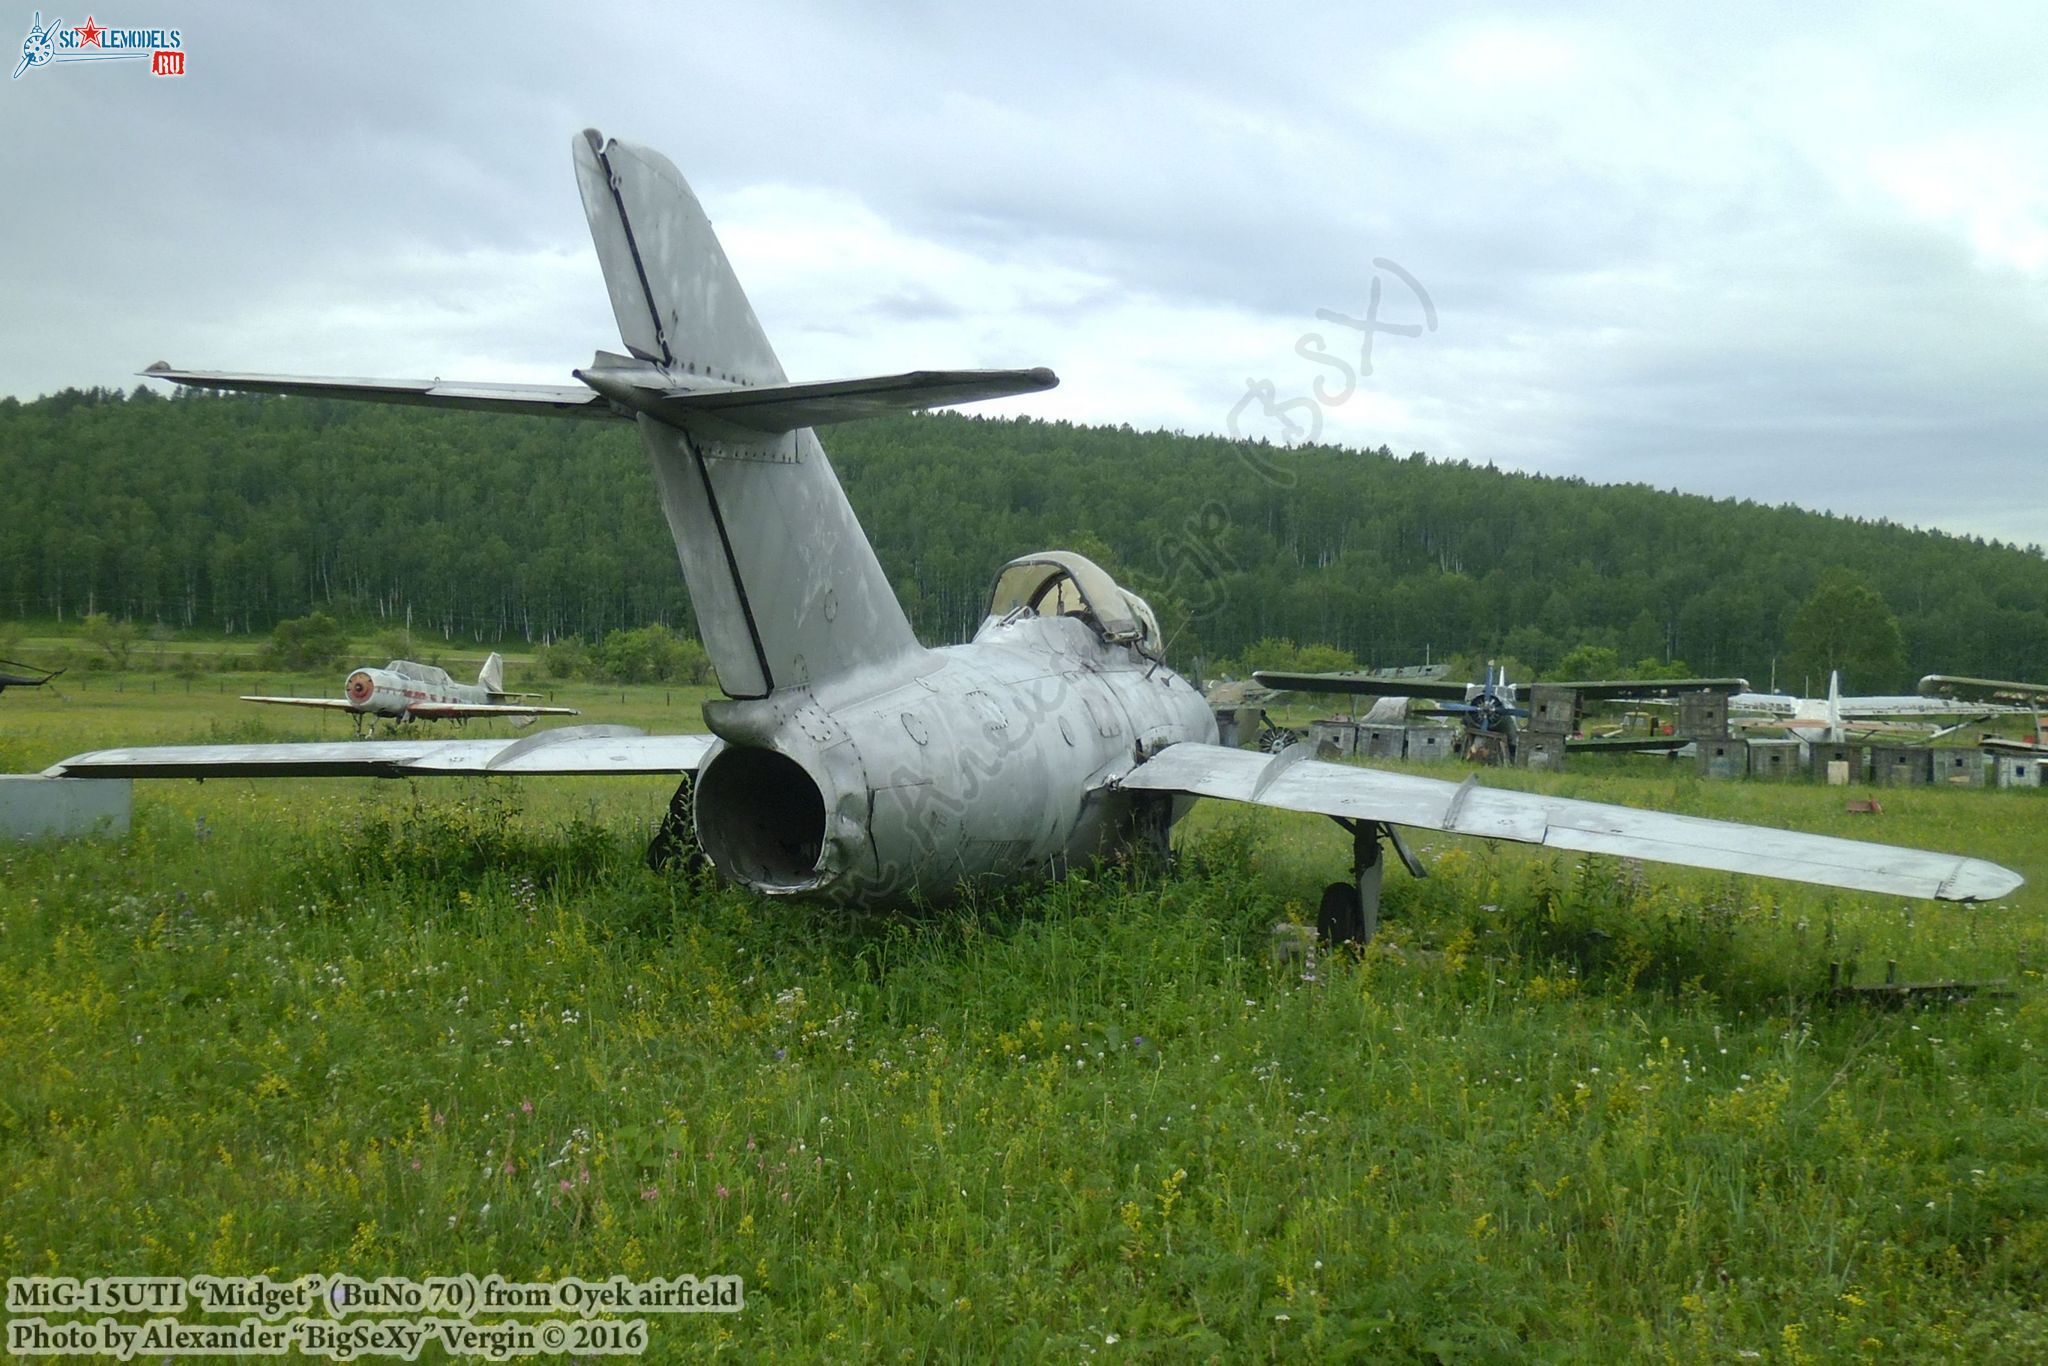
column 786, row 589
column 1835, row 733
column 492, row 677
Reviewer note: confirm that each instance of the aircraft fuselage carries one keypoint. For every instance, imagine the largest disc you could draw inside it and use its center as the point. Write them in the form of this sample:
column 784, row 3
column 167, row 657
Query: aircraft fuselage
column 991, row 759
column 381, row 692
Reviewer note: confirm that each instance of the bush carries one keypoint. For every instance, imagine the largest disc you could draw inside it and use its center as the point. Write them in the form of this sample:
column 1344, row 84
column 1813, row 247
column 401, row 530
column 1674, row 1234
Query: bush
column 309, row 642
column 652, row 654
column 565, row 658
column 115, row 638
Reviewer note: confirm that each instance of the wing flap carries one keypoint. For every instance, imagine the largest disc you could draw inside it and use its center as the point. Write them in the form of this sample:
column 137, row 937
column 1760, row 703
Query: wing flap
column 1567, row 823
column 596, row 750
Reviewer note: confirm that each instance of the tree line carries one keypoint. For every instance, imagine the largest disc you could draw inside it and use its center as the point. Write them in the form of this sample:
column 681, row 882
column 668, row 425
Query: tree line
column 234, row 513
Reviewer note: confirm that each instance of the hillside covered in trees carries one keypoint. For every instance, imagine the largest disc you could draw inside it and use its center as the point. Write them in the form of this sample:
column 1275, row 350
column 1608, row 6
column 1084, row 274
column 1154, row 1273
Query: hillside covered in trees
column 235, row 513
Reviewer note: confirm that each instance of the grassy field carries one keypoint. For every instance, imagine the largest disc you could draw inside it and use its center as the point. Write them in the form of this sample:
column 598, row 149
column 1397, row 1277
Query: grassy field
column 1560, row 1110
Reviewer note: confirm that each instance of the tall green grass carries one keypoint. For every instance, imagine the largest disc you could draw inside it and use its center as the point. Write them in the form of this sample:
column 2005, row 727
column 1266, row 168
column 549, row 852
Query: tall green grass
column 1560, row 1109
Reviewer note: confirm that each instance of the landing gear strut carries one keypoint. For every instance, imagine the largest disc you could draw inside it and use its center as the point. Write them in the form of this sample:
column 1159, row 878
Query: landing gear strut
column 1350, row 913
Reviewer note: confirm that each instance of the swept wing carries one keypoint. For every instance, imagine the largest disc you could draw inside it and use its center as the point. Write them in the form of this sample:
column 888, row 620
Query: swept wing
column 616, row 750
column 1300, row 784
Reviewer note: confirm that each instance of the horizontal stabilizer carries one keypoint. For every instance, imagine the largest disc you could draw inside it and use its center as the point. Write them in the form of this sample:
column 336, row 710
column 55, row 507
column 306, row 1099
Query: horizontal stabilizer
column 544, row 400
column 1367, row 794
column 768, row 409
column 786, row 407
column 614, row 750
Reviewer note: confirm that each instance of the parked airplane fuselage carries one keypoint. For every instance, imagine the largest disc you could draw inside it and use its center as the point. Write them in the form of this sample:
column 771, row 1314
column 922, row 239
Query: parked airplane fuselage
column 994, row 758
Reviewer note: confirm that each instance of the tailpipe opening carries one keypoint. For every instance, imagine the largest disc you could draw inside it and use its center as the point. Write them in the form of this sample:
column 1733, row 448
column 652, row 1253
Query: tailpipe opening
column 761, row 819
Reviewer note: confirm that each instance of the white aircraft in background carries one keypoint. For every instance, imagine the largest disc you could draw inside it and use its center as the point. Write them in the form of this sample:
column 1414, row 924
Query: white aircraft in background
column 1835, row 718
column 2024, row 699
column 405, row 691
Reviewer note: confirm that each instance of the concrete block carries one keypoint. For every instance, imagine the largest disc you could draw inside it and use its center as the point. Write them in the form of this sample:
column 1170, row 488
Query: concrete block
column 1332, row 739
column 1552, row 711
column 1383, row 742
column 1847, row 752
column 1774, row 759
column 34, row 807
column 1958, row 767
column 1900, row 765
column 1427, row 743
column 1722, row 758
column 2019, row 770
column 1703, row 715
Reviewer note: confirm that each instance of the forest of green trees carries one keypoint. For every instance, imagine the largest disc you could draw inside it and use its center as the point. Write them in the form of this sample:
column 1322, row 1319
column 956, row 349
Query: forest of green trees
column 235, row 513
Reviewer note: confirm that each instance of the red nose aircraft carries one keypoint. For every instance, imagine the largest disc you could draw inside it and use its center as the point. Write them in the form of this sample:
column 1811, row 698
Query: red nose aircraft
column 405, row 691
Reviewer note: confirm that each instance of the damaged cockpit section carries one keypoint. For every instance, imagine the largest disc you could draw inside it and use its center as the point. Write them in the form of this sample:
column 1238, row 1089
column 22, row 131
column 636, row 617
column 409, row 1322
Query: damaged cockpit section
column 1061, row 583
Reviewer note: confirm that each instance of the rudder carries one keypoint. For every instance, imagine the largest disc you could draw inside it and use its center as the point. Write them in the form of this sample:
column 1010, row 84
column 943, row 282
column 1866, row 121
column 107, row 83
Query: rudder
column 786, row 588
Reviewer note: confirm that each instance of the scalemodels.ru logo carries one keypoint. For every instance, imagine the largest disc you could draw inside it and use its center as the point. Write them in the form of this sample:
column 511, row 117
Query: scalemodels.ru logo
column 89, row 42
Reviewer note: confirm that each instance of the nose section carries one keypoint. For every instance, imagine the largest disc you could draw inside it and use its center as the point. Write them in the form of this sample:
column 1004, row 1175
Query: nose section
column 360, row 686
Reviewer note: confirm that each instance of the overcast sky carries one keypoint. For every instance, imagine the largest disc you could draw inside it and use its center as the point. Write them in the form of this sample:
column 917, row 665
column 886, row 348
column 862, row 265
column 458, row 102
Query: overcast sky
column 1733, row 249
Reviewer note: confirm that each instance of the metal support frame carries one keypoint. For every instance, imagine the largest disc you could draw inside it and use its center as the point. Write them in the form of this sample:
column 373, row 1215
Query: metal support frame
column 1350, row 913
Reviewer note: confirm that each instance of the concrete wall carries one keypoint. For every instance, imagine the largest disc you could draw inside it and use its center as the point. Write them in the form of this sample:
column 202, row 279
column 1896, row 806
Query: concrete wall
column 1849, row 752
column 1900, row 765
column 1427, row 743
column 1332, row 738
column 1958, row 767
column 1775, row 759
column 1383, row 742
column 1552, row 711
column 2018, row 770
column 1723, row 758
column 34, row 807
column 1703, row 715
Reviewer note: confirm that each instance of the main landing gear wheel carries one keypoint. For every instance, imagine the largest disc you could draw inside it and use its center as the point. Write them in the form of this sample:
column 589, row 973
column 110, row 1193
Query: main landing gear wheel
column 1341, row 918
column 674, row 846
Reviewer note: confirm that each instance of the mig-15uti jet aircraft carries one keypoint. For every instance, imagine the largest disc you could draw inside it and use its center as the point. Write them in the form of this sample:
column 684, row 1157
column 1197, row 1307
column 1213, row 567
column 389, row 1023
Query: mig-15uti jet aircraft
column 849, row 763
column 403, row 691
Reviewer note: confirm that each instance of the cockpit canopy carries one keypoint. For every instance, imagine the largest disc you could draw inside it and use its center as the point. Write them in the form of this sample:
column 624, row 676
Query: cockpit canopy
column 418, row 673
column 1061, row 583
